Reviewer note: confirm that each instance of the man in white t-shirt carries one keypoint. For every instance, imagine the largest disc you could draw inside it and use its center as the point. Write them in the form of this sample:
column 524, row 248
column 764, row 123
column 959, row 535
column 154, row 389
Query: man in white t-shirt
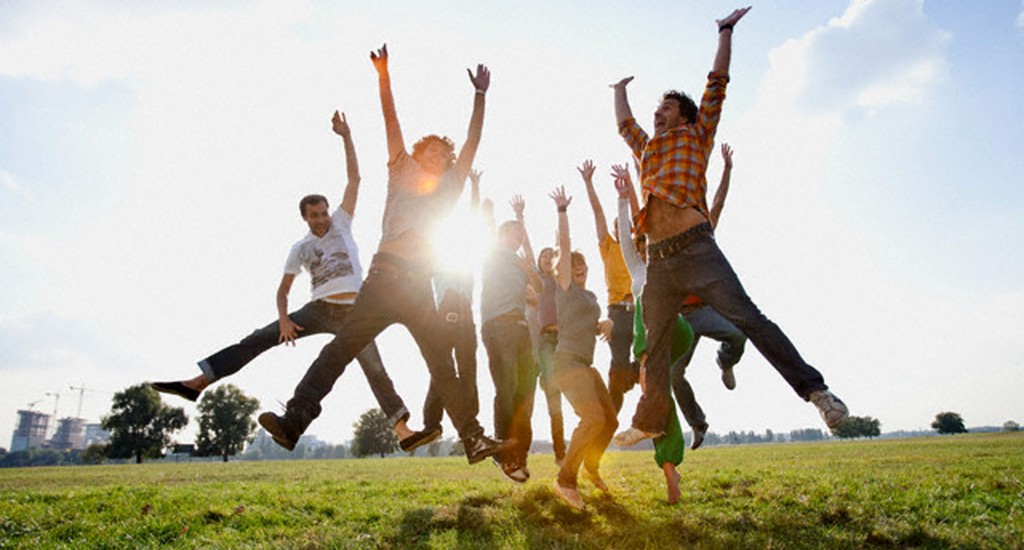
column 330, row 256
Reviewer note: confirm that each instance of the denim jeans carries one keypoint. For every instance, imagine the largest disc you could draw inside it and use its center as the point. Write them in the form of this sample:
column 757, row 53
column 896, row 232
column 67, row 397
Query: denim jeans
column 621, row 374
column 589, row 397
column 514, row 372
column 461, row 335
column 705, row 322
column 553, row 396
column 316, row 318
column 701, row 269
column 393, row 292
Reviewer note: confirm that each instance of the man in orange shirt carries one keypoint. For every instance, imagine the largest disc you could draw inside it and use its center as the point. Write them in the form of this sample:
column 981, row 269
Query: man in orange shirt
column 682, row 255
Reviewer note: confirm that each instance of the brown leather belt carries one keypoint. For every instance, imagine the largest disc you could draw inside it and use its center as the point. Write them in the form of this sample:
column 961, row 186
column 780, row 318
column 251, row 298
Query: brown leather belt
column 666, row 248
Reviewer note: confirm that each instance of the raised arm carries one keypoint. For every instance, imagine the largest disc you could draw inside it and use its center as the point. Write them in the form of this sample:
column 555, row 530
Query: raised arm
column 474, row 190
column 519, row 207
column 622, row 110
column 351, row 195
column 586, row 171
column 629, row 253
column 396, row 144
column 723, row 188
column 621, row 171
column 725, row 28
column 481, row 82
column 563, row 275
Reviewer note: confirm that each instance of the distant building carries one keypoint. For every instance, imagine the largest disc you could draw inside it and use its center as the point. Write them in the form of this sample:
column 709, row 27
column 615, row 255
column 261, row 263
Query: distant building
column 96, row 435
column 70, row 434
column 31, row 430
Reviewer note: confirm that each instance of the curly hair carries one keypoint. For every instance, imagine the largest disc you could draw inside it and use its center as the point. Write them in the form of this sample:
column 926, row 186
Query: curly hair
column 687, row 108
column 444, row 141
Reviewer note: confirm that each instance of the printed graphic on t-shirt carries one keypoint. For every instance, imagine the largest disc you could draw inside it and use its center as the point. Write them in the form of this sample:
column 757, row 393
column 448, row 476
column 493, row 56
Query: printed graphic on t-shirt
column 327, row 259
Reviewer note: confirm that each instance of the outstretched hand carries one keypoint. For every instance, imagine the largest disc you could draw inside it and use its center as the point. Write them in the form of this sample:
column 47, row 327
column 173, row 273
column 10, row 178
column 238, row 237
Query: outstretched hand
column 587, row 170
column 623, row 183
column 622, row 83
column 380, row 59
column 340, row 125
column 482, row 80
column 518, row 206
column 733, row 17
column 474, row 176
column 727, row 155
column 561, row 199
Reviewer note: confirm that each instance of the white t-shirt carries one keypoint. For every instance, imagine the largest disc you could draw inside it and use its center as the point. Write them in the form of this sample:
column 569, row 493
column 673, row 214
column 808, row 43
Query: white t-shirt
column 332, row 260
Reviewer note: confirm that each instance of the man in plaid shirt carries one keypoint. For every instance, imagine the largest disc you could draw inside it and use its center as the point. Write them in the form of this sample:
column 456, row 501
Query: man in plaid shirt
column 682, row 256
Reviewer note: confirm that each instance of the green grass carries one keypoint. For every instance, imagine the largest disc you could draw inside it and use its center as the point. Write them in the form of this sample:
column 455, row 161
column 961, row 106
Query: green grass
column 958, row 491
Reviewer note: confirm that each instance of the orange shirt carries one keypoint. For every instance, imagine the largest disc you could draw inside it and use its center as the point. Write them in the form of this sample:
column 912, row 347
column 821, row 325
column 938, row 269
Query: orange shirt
column 616, row 275
column 673, row 164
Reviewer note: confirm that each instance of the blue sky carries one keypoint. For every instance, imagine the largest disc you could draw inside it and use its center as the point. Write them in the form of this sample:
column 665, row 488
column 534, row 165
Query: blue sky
column 151, row 159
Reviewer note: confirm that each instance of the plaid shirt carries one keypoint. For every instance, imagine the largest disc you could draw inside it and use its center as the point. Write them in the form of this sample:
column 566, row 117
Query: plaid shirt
column 672, row 164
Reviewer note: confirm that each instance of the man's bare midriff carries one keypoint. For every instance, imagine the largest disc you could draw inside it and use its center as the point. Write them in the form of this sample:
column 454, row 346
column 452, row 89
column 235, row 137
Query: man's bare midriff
column 665, row 219
column 409, row 247
column 343, row 296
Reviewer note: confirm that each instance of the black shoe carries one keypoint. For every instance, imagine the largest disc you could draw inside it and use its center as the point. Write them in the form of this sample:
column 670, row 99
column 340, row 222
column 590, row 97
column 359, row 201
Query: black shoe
column 277, row 427
column 480, row 447
column 419, row 439
column 176, row 388
column 514, row 471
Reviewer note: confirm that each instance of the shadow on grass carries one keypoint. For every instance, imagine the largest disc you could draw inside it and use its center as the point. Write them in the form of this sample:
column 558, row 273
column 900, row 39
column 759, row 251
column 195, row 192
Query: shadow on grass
column 468, row 520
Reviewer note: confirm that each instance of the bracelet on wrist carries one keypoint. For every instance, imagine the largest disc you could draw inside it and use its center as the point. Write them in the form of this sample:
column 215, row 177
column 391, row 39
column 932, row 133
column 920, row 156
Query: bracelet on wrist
column 563, row 208
column 481, row 92
column 724, row 27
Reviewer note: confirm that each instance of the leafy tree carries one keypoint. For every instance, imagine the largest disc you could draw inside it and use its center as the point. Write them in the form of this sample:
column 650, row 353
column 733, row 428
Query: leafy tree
column 949, row 423
column 94, row 454
column 225, row 422
column 140, row 425
column 858, row 426
column 434, row 448
column 373, row 435
column 1011, row 426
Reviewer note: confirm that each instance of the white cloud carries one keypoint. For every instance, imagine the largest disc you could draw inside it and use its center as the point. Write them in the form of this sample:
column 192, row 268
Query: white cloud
column 878, row 53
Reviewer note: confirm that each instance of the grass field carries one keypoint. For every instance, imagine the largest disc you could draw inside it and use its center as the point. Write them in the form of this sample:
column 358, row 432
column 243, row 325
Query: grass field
column 956, row 491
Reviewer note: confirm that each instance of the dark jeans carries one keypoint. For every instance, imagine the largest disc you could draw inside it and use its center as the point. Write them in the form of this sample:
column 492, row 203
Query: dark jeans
column 553, row 396
column 394, row 292
column 621, row 374
column 315, row 318
column 585, row 390
column 461, row 333
column 705, row 322
column 514, row 372
column 701, row 269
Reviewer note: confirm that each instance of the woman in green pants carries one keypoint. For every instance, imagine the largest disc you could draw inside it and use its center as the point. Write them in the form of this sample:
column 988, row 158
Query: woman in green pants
column 668, row 448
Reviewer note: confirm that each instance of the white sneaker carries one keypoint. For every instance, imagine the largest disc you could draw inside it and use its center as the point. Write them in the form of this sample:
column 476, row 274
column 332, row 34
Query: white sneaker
column 833, row 410
column 728, row 378
column 698, row 437
column 632, row 436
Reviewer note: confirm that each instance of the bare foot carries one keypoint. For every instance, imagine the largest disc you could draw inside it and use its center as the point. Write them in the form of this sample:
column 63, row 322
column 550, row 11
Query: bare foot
column 198, row 383
column 569, row 496
column 402, row 430
column 595, row 478
column 672, row 481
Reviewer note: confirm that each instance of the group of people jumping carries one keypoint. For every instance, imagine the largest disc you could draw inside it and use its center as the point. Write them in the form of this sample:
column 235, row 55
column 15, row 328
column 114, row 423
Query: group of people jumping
column 668, row 284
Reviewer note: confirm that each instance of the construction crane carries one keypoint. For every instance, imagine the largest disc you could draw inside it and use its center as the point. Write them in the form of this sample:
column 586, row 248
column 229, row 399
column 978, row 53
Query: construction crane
column 81, row 394
column 56, row 401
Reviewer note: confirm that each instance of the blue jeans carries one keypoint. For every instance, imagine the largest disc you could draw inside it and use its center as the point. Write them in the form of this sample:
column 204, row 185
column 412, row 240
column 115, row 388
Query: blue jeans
column 553, row 395
column 514, row 372
column 705, row 322
column 394, row 291
column 316, row 318
column 461, row 333
column 701, row 269
column 621, row 374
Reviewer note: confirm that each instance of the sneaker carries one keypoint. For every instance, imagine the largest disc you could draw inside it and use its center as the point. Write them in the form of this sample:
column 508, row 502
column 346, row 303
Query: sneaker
column 277, row 427
column 833, row 410
column 728, row 378
column 419, row 439
column 569, row 496
column 175, row 388
column 632, row 436
column 480, row 447
column 515, row 472
column 698, row 436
